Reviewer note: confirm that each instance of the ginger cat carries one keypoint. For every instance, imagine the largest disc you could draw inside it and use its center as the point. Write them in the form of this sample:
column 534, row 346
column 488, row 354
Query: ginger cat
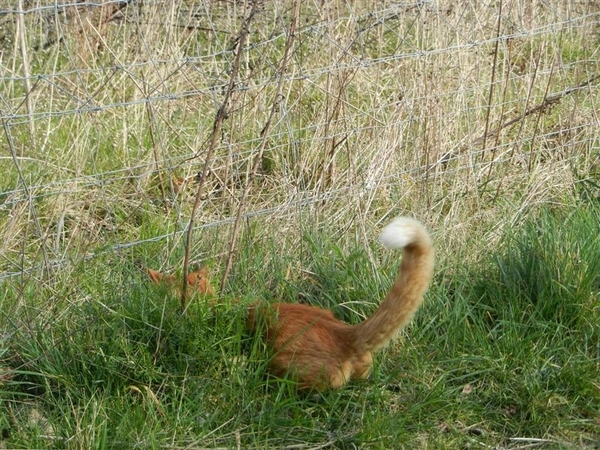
column 311, row 346
column 317, row 350
column 198, row 280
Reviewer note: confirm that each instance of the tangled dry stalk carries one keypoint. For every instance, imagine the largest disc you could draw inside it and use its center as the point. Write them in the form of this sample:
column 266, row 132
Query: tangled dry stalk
column 340, row 113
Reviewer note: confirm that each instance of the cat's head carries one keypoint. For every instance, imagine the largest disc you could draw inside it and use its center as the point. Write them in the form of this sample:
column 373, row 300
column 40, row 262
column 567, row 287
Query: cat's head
column 198, row 280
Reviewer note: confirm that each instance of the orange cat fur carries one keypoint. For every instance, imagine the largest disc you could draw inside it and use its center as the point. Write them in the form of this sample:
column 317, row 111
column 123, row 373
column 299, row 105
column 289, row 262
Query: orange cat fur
column 319, row 351
column 311, row 346
column 199, row 280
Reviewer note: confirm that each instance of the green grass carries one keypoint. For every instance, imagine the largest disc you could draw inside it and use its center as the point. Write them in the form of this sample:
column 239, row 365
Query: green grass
column 383, row 110
column 504, row 348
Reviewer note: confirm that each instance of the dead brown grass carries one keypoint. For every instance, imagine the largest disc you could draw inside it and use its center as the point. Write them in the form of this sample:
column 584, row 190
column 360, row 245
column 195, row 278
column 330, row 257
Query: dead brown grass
column 461, row 116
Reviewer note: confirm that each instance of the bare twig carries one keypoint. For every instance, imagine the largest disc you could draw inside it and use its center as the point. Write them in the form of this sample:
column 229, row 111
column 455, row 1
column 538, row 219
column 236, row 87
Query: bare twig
column 549, row 101
column 151, row 125
column 493, row 80
column 264, row 138
column 220, row 117
column 502, row 107
column 26, row 70
column 331, row 143
column 30, row 198
column 537, row 122
column 521, row 123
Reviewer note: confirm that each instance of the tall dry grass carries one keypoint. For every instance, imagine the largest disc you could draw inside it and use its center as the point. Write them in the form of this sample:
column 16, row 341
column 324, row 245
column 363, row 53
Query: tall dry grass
column 467, row 115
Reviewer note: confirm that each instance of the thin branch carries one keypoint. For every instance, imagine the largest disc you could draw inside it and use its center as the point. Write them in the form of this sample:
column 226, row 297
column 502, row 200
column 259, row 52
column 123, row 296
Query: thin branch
column 151, row 125
column 264, row 138
column 26, row 70
column 38, row 227
column 220, row 117
column 547, row 102
column 493, row 80
column 502, row 109
column 537, row 122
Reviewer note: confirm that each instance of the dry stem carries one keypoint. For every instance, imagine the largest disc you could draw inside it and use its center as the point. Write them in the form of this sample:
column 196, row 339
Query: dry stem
column 264, row 138
column 220, row 117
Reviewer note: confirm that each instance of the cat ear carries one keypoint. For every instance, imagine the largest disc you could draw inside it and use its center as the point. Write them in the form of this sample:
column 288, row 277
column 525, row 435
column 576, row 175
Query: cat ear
column 200, row 281
column 159, row 277
column 198, row 276
column 155, row 275
column 193, row 278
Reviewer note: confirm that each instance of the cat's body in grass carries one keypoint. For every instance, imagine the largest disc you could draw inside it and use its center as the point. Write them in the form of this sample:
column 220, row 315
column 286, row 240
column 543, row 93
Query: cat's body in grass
column 311, row 346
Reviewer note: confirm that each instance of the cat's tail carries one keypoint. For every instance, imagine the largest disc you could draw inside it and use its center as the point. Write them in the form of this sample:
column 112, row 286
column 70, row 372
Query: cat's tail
column 411, row 283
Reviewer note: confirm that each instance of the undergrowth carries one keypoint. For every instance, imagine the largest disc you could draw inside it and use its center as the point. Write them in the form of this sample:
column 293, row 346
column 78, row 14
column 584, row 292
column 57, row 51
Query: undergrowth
column 505, row 352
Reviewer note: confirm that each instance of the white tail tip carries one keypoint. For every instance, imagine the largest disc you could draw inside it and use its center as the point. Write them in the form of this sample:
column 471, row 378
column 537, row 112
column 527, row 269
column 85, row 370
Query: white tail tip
column 402, row 231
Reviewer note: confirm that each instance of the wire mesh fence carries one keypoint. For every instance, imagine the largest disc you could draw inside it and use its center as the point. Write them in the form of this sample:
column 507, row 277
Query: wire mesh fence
column 131, row 122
